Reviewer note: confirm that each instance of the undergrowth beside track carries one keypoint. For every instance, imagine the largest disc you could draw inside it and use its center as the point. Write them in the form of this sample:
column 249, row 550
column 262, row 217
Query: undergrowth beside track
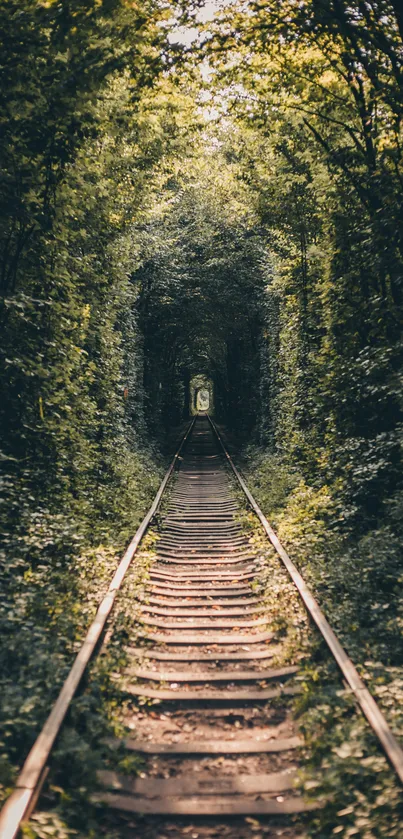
column 56, row 569
column 358, row 584
column 98, row 716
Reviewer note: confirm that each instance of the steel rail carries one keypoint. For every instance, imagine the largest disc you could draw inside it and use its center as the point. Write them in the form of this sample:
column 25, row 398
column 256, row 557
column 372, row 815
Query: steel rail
column 22, row 800
column 364, row 698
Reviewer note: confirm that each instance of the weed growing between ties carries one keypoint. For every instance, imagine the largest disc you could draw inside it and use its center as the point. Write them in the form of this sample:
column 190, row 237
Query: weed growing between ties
column 357, row 584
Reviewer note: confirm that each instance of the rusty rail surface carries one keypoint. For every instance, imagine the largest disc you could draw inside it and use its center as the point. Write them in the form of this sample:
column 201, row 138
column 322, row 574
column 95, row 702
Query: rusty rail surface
column 22, row 801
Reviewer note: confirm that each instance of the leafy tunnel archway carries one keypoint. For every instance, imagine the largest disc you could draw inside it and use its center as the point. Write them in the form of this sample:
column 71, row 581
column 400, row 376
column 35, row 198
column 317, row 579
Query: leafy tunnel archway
column 201, row 298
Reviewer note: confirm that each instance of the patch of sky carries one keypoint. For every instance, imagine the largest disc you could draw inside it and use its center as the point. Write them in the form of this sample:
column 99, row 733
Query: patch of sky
column 186, row 35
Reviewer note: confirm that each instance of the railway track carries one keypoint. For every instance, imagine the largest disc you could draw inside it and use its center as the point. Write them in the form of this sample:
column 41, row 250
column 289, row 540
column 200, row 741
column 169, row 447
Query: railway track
column 223, row 742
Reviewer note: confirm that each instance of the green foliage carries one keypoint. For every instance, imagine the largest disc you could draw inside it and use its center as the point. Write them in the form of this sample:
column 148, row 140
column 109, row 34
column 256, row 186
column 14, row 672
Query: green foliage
column 318, row 136
column 238, row 219
column 358, row 582
column 78, row 470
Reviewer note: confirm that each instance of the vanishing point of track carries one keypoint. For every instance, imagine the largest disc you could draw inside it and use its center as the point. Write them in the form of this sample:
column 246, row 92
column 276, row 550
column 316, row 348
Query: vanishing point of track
column 208, row 656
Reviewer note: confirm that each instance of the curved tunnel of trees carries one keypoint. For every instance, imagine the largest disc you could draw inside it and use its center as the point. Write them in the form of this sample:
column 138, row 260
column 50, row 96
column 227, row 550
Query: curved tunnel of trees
column 199, row 190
